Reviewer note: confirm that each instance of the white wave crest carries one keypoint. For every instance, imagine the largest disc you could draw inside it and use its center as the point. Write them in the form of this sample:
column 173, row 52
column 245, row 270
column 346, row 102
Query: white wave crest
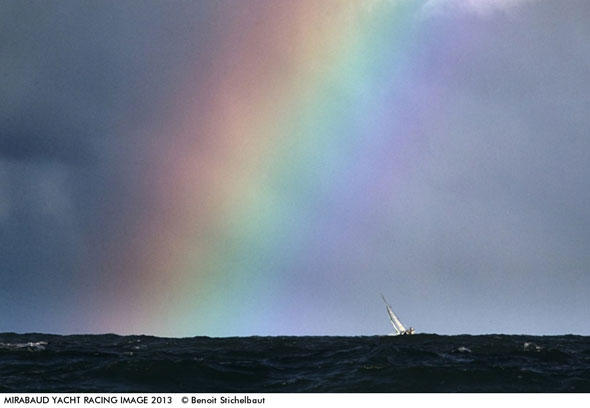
column 31, row 346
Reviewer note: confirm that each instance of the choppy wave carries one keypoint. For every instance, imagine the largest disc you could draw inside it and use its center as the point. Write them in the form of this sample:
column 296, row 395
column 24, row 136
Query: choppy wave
column 420, row 363
column 30, row 346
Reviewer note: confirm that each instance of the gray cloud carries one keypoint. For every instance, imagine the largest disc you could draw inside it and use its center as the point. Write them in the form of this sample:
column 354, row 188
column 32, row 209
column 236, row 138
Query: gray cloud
column 495, row 219
column 79, row 89
column 488, row 230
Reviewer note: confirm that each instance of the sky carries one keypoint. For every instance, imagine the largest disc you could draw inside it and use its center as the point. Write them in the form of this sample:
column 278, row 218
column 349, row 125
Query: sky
column 230, row 168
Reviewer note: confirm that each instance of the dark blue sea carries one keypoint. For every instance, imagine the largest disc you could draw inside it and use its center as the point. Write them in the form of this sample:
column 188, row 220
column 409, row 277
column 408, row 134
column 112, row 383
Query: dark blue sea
column 419, row 363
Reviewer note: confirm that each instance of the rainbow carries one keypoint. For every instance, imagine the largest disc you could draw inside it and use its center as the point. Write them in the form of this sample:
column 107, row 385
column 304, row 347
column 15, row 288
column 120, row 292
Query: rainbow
column 268, row 164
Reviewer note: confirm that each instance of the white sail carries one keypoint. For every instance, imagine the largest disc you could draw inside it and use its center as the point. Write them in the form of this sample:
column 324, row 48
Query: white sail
column 397, row 325
column 390, row 313
column 395, row 320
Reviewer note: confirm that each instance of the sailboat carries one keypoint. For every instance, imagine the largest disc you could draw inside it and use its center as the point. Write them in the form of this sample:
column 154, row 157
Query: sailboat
column 400, row 329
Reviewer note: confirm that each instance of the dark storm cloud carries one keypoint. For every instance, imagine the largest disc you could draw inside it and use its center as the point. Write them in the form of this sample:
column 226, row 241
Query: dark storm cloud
column 81, row 83
column 73, row 70
column 37, row 138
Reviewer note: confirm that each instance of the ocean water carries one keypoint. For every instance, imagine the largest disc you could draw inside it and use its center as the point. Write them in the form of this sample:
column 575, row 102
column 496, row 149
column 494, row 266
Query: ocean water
column 419, row 363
